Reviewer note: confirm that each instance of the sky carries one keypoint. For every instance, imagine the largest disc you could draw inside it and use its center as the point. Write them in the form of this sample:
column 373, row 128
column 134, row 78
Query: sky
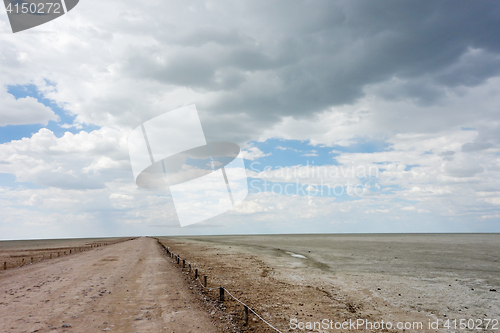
column 352, row 116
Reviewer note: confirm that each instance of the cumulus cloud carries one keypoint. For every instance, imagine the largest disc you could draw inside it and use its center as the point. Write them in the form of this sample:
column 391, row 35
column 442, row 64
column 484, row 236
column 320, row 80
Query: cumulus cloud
column 421, row 77
column 252, row 153
column 247, row 75
column 23, row 111
column 70, row 162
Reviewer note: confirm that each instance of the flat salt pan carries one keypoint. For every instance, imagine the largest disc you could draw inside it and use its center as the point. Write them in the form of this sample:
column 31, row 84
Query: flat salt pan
column 297, row 255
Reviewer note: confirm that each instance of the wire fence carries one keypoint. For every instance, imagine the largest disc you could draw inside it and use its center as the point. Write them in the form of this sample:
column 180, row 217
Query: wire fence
column 40, row 255
column 222, row 289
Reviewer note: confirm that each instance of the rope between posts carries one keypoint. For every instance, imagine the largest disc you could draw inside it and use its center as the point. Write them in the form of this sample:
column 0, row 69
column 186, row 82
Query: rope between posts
column 198, row 278
column 255, row 313
column 237, row 300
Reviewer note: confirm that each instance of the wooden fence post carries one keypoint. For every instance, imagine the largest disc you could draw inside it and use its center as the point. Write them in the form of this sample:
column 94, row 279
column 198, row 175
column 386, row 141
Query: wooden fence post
column 183, row 263
column 205, row 281
column 50, row 256
column 189, row 268
column 196, row 273
column 221, row 294
column 245, row 316
column 4, row 265
column 31, row 259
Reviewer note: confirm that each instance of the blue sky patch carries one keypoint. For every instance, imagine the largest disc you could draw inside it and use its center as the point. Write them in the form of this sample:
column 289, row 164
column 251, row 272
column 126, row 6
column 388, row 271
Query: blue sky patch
column 9, row 180
column 16, row 132
column 408, row 167
column 285, row 153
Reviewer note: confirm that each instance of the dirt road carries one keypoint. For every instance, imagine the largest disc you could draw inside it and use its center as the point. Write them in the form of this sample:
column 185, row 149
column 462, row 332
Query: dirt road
column 127, row 287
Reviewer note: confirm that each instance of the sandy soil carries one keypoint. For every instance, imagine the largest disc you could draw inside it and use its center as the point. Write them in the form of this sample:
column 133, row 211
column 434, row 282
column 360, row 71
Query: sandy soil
column 280, row 294
column 125, row 287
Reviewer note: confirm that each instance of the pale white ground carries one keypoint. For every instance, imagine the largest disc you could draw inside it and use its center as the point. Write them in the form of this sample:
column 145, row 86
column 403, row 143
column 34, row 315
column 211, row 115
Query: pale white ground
column 403, row 276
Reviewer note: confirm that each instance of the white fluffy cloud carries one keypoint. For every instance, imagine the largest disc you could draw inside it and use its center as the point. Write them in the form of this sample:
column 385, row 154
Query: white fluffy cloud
column 252, row 153
column 23, row 111
column 332, row 73
column 74, row 161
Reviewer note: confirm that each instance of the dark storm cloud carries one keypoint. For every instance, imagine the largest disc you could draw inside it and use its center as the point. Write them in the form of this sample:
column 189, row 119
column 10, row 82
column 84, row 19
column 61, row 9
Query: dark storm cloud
column 476, row 146
column 272, row 59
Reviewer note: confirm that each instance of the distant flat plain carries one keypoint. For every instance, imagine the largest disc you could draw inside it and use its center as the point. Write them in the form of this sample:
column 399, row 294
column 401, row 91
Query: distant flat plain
column 18, row 252
column 50, row 243
column 440, row 275
column 378, row 276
